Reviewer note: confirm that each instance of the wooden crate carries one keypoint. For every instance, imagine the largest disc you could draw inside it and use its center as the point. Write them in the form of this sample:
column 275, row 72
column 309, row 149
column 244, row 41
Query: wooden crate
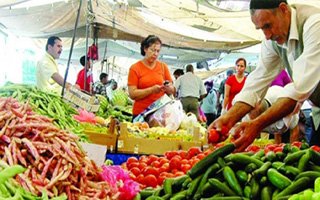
column 109, row 139
column 135, row 145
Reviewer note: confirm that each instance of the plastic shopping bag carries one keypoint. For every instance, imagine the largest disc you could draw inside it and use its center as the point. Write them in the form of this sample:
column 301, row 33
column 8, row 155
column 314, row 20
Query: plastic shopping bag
column 162, row 101
column 169, row 116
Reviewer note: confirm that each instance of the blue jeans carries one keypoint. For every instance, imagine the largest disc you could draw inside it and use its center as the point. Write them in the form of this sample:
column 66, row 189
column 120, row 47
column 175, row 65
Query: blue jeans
column 308, row 125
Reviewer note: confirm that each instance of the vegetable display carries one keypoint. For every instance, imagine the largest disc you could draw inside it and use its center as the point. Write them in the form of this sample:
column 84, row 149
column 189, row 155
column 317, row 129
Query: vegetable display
column 54, row 162
column 269, row 173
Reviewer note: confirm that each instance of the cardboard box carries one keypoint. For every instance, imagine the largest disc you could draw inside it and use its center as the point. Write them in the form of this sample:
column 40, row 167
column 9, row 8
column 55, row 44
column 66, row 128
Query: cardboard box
column 108, row 139
column 135, row 145
column 81, row 99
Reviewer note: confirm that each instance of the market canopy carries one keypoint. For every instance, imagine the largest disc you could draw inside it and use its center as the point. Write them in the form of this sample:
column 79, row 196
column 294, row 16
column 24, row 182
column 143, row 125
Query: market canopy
column 206, row 27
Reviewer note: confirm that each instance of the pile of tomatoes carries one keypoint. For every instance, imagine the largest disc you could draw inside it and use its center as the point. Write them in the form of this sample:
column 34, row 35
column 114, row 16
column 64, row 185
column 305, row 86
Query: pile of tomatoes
column 151, row 170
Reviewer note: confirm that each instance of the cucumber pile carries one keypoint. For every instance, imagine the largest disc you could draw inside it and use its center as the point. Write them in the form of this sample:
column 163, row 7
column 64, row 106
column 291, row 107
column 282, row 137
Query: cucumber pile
column 226, row 175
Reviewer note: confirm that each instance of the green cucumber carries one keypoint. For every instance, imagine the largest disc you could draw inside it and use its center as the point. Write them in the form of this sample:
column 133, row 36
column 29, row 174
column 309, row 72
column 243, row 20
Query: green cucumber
column 232, row 181
column 242, row 176
column 266, row 193
column 245, row 159
column 221, row 187
column 210, row 159
column 277, row 179
column 296, row 187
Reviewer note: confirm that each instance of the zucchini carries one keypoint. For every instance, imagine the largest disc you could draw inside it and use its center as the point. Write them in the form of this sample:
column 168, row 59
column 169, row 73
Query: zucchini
column 210, row 159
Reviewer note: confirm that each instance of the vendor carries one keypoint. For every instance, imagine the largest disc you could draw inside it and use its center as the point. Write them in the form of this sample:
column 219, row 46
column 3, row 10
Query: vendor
column 292, row 38
column 47, row 73
column 147, row 77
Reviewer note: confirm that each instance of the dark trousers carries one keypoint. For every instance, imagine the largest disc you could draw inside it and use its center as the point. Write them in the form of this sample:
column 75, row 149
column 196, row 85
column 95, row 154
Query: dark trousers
column 210, row 118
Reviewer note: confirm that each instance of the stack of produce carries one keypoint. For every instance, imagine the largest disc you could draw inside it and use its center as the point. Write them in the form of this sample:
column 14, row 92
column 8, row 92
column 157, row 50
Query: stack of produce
column 54, row 162
column 10, row 189
column 261, row 175
column 44, row 103
column 106, row 110
column 150, row 171
column 142, row 130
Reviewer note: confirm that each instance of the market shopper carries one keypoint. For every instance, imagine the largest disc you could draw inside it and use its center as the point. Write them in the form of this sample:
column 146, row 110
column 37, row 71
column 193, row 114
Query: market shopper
column 47, row 73
column 191, row 90
column 234, row 83
column 148, row 79
column 100, row 87
column 177, row 73
column 291, row 37
column 221, row 92
column 209, row 103
column 85, row 83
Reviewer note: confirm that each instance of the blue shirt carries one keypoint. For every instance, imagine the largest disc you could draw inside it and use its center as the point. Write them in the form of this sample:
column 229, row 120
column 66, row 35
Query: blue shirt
column 210, row 102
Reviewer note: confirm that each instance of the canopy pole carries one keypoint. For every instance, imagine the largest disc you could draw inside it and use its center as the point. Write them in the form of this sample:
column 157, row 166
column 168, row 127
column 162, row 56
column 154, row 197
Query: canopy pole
column 71, row 48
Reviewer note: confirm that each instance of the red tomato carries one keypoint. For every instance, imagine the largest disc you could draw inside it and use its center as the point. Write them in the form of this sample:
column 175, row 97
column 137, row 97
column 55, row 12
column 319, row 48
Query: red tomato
column 252, row 148
column 150, row 180
column 297, row 144
column 132, row 176
column 201, row 156
column 184, row 161
column 183, row 154
column 225, row 131
column 132, row 159
column 185, row 168
column 143, row 158
column 179, row 173
column 135, row 170
column 194, row 161
column 174, row 163
column 142, row 165
column 213, row 136
column 315, row 148
column 163, row 160
column 140, row 179
column 161, row 179
column 278, row 149
column 133, row 164
column 170, row 154
column 150, row 170
column 193, row 151
column 156, row 164
column 164, row 168
column 152, row 158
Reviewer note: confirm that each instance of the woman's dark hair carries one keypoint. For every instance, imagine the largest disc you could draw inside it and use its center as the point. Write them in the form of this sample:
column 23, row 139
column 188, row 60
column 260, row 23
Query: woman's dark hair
column 147, row 42
column 244, row 60
column 178, row 72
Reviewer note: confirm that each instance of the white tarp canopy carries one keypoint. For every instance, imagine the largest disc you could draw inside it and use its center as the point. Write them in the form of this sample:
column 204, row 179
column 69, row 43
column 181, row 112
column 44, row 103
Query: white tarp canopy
column 191, row 30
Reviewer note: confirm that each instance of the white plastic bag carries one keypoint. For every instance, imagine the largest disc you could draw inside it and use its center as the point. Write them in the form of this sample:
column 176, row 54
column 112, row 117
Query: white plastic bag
column 169, row 116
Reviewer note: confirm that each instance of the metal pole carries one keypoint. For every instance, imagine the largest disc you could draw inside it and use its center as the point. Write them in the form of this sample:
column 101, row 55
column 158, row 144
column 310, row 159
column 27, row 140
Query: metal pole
column 71, row 48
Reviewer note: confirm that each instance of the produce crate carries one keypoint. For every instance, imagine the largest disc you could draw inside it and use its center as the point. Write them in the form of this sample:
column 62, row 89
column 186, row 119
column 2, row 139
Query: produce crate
column 135, row 145
column 109, row 139
column 81, row 99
